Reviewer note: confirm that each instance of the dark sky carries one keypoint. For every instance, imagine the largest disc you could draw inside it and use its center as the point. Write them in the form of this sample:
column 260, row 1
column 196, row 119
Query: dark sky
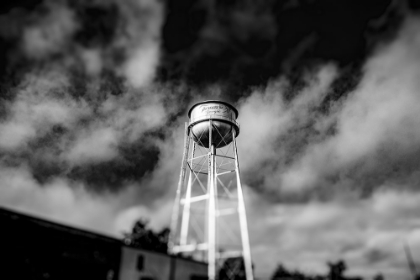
column 246, row 44
column 239, row 44
column 94, row 94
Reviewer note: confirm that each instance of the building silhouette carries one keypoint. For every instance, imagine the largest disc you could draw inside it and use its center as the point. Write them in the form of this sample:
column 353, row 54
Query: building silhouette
column 35, row 249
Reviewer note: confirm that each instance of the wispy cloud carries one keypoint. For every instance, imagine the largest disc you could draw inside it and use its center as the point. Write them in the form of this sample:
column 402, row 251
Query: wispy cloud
column 364, row 140
column 84, row 120
column 345, row 178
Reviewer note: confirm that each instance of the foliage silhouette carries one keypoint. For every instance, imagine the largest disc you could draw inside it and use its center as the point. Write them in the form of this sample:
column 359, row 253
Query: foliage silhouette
column 143, row 237
column 336, row 272
column 378, row 277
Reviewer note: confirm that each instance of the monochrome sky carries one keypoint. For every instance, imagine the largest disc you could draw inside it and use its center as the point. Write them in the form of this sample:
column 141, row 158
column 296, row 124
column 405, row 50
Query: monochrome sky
column 94, row 96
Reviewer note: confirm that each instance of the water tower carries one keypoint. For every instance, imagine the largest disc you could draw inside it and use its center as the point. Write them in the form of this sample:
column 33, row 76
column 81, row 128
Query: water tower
column 209, row 218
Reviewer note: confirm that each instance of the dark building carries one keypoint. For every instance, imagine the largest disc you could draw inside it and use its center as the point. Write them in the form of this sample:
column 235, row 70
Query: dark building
column 33, row 248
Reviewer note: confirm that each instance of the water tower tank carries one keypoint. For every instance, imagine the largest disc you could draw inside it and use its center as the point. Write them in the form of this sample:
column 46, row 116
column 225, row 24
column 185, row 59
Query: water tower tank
column 223, row 118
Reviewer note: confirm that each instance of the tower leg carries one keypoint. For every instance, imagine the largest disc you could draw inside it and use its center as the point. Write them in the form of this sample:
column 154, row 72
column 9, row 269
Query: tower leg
column 187, row 206
column 171, row 240
column 242, row 218
column 211, row 242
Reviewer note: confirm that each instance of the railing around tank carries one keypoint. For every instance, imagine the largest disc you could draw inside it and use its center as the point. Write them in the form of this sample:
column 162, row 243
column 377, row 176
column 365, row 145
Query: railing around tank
column 217, row 118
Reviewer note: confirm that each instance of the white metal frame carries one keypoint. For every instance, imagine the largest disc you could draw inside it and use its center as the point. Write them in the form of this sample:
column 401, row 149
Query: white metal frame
column 190, row 235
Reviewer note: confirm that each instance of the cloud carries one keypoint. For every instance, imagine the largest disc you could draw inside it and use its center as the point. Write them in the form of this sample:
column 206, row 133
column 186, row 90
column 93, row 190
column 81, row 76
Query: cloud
column 101, row 145
column 51, row 32
column 138, row 69
column 358, row 231
column 339, row 182
column 92, row 59
column 143, row 36
column 270, row 123
column 38, row 105
column 60, row 200
column 85, row 117
column 360, row 141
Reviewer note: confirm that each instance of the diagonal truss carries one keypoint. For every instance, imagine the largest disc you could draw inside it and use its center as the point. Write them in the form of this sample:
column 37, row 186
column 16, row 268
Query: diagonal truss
column 209, row 215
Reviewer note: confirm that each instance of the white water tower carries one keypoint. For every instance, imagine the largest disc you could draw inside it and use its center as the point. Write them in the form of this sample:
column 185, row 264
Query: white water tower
column 209, row 218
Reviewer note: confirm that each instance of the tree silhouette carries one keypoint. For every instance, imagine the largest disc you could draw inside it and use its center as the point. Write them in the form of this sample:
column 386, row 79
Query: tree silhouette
column 337, row 270
column 379, row 277
column 143, row 237
column 281, row 273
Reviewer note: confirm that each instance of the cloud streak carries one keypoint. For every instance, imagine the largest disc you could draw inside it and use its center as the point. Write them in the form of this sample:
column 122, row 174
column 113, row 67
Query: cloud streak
column 343, row 182
column 85, row 119
column 363, row 141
